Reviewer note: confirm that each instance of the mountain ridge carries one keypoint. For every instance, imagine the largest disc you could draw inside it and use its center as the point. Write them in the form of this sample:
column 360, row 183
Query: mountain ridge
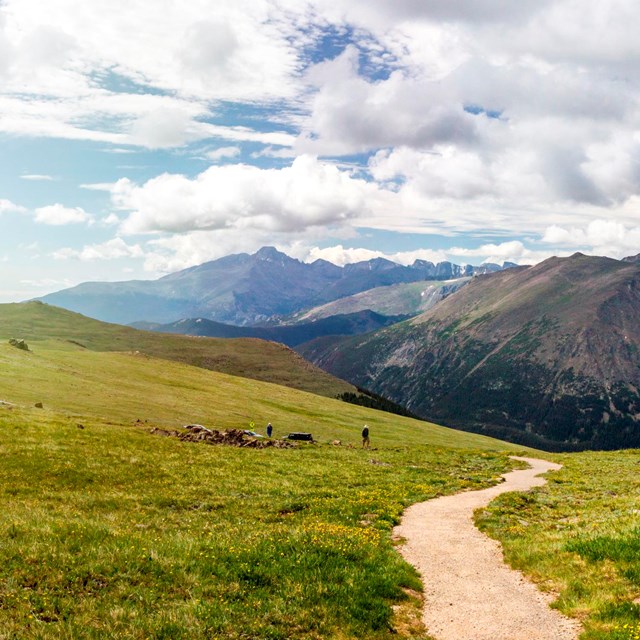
column 549, row 350
column 244, row 289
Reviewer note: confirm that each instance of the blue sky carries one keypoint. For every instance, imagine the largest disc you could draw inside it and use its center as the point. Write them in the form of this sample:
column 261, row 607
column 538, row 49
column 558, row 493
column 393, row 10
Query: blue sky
column 136, row 141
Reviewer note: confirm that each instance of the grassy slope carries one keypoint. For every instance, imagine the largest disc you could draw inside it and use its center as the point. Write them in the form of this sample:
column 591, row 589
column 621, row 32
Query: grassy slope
column 36, row 322
column 580, row 537
column 109, row 530
column 125, row 387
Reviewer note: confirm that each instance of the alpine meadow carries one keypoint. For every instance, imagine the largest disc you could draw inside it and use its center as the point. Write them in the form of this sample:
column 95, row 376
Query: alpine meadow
column 320, row 320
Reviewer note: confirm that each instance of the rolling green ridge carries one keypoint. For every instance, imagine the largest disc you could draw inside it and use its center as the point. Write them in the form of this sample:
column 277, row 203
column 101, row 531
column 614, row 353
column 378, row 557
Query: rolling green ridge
column 127, row 387
column 36, row 322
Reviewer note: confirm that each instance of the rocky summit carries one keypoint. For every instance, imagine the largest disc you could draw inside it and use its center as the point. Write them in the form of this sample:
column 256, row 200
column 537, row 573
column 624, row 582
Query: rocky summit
column 547, row 355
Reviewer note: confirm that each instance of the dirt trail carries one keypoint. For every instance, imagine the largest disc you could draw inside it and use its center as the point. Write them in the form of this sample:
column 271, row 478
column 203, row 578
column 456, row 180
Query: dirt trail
column 470, row 594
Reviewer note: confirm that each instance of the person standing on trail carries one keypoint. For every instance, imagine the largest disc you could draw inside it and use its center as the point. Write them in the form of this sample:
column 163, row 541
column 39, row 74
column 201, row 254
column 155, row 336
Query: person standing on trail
column 269, row 430
column 365, row 437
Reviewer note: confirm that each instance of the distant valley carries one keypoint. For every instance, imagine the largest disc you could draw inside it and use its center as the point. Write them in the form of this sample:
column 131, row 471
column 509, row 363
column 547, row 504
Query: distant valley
column 290, row 335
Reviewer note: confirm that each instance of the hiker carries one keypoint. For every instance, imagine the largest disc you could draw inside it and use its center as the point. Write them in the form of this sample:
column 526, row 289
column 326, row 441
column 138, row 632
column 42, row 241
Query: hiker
column 269, row 430
column 365, row 437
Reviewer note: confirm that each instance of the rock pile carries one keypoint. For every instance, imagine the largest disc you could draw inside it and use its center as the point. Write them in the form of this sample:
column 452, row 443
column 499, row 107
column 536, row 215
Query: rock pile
column 230, row 437
column 19, row 344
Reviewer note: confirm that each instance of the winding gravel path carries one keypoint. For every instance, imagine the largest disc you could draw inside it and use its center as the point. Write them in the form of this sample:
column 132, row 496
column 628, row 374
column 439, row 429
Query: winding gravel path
column 470, row 594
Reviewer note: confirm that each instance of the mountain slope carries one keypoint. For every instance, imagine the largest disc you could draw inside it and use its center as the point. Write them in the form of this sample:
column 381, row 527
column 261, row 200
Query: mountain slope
column 39, row 323
column 549, row 351
column 397, row 299
column 290, row 335
column 243, row 289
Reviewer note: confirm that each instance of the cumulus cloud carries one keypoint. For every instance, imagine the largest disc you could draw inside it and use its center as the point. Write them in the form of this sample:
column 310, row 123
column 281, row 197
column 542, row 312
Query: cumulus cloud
column 378, row 14
column 109, row 250
column 6, row 206
column 57, row 215
column 222, row 152
column 600, row 237
column 340, row 255
column 512, row 251
column 94, row 75
column 350, row 114
column 308, row 193
column 498, row 116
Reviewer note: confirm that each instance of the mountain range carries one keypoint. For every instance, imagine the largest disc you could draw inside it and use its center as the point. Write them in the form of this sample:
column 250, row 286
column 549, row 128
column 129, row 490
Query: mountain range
column 547, row 355
column 245, row 289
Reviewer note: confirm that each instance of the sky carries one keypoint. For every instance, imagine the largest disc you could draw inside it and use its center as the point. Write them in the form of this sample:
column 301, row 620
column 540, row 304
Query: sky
column 141, row 138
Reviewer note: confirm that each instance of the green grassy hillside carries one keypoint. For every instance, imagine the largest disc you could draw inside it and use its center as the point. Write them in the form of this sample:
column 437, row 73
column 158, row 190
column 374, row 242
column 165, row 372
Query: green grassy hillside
column 579, row 537
column 111, row 531
column 36, row 323
column 126, row 387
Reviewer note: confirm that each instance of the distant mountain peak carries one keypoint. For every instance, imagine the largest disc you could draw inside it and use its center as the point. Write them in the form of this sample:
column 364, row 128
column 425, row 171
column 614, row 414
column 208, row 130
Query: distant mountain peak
column 271, row 254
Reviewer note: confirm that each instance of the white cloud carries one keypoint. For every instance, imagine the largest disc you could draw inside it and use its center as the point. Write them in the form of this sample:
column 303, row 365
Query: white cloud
column 306, row 194
column 350, row 114
column 223, row 152
column 111, row 220
column 109, row 250
column 599, row 237
column 57, row 214
column 512, row 251
column 554, row 86
column 97, row 186
column 380, row 14
column 340, row 255
column 166, row 127
column 37, row 177
column 6, row 206
column 96, row 75
column 409, row 257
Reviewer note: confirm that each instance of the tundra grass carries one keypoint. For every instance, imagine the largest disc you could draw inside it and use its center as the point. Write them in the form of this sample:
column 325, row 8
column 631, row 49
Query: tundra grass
column 579, row 537
column 109, row 531
column 41, row 324
column 129, row 387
